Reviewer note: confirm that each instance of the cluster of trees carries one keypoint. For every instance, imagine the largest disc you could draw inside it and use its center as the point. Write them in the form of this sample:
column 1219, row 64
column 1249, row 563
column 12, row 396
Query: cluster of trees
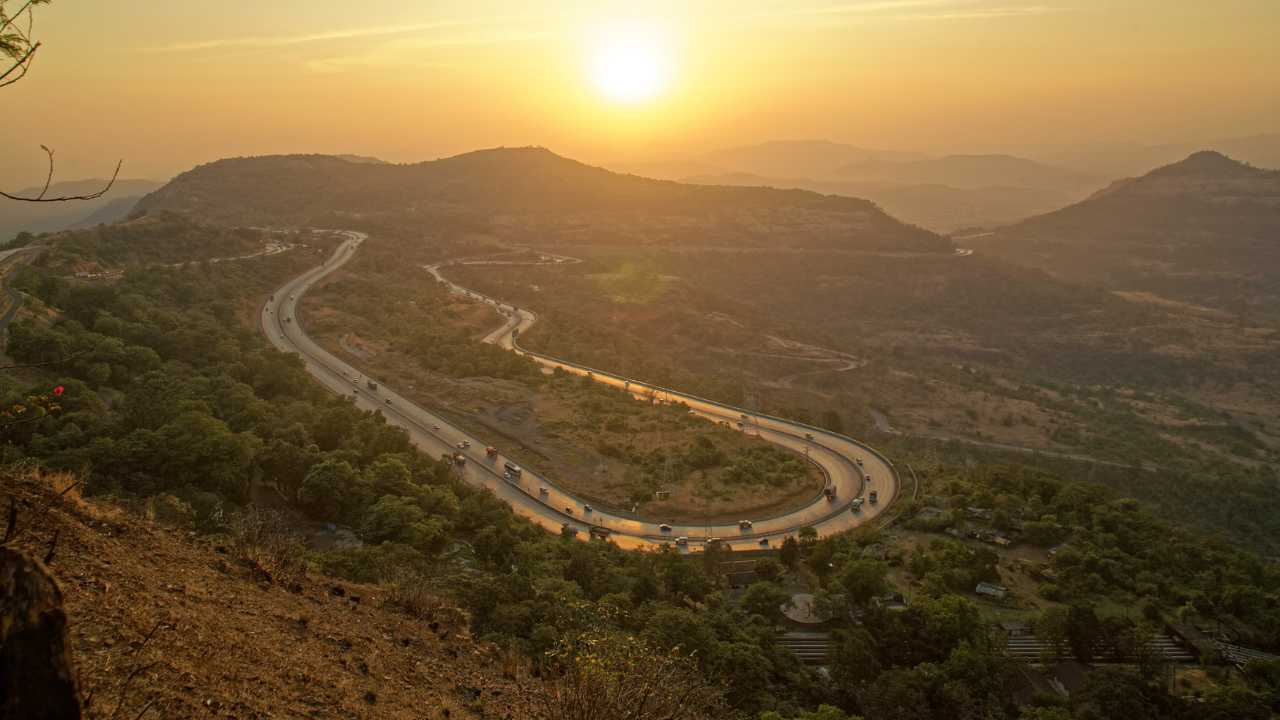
column 166, row 391
column 403, row 308
column 163, row 238
column 1116, row 549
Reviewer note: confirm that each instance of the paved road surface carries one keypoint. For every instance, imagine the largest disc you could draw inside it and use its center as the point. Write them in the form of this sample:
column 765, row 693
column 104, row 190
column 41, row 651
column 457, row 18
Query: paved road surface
column 551, row 506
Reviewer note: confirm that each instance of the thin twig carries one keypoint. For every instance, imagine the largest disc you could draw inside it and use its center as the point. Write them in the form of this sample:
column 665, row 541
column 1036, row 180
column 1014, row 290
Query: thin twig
column 146, row 708
column 13, row 521
column 134, row 669
column 49, row 179
column 53, row 545
column 58, row 362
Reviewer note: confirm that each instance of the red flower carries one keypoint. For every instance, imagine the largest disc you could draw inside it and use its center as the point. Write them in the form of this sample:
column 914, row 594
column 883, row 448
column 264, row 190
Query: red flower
column 57, row 390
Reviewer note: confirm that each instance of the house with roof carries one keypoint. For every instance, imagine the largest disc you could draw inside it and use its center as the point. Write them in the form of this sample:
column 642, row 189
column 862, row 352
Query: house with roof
column 1057, row 549
column 994, row 591
column 893, row 602
column 1029, row 682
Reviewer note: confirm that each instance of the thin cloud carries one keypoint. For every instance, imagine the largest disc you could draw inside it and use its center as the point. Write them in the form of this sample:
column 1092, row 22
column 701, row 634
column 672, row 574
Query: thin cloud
column 899, row 10
column 284, row 41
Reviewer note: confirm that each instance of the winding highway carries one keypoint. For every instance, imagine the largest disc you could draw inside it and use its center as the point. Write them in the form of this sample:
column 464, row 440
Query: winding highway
column 852, row 470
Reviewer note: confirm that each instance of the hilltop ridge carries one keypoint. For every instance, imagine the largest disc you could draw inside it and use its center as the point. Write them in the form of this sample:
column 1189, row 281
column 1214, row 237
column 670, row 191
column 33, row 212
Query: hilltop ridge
column 529, row 194
column 1202, row 230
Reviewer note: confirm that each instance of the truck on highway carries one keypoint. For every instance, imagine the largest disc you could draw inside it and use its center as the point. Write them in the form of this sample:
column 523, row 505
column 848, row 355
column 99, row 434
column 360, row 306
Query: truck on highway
column 512, row 468
column 600, row 532
column 830, row 492
column 459, row 459
column 491, row 451
column 372, row 385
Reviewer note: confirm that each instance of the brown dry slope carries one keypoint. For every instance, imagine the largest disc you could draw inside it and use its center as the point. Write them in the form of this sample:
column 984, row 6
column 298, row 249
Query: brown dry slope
column 226, row 640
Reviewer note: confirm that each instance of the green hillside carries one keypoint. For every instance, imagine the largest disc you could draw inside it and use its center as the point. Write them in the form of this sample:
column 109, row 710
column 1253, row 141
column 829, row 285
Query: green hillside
column 528, row 194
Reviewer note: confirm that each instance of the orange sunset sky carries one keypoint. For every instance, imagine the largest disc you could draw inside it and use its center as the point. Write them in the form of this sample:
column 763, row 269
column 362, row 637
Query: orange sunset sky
column 168, row 84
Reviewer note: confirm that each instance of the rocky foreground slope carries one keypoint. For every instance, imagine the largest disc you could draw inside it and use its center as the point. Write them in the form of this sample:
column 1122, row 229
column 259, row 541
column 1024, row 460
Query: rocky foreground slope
column 165, row 624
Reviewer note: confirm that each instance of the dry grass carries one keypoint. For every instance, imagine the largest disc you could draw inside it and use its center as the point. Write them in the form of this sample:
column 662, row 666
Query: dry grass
column 265, row 544
column 416, row 597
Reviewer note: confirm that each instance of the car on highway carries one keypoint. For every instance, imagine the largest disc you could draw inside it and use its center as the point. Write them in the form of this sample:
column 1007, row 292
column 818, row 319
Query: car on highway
column 542, row 490
column 344, row 372
column 857, row 503
column 872, row 496
column 664, row 527
column 437, row 427
column 568, row 511
column 506, row 476
column 858, row 460
column 682, row 540
column 867, row 478
column 388, row 401
column 764, row 541
column 808, row 436
column 744, row 524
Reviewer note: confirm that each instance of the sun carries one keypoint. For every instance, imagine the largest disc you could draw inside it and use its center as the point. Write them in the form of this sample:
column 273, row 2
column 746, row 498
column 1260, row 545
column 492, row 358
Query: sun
column 629, row 66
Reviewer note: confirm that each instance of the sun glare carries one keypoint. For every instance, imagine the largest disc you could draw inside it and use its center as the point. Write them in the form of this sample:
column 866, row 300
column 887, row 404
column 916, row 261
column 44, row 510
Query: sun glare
column 629, row 66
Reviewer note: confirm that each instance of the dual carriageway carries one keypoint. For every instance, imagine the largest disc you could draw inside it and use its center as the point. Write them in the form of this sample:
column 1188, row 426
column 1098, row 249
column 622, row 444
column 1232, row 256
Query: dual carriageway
column 552, row 506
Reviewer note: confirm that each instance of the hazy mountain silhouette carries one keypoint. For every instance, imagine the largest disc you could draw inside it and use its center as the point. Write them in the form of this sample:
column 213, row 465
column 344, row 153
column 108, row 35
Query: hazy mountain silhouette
column 940, row 208
column 1137, row 160
column 528, row 195
column 798, row 158
column 114, row 211
column 1206, row 229
column 51, row 217
column 362, row 159
column 963, row 171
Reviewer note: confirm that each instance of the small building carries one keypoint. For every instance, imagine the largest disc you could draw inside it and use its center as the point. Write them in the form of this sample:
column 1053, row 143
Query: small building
column 979, row 513
column 1014, row 629
column 1057, row 549
column 993, row 590
column 1068, row 675
column 930, row 512
column 877, row 549
column 1030, row 682
column 956, row 532
column 893, row 602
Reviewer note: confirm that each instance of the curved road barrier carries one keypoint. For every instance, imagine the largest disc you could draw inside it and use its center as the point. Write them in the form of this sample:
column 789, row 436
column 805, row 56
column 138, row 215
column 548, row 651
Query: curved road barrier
column 552, row 506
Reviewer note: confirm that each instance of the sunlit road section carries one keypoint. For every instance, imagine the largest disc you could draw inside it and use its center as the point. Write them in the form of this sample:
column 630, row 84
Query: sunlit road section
column 551, row 506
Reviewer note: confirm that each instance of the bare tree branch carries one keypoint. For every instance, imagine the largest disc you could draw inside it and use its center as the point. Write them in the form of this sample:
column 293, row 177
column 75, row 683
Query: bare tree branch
column 49, row 179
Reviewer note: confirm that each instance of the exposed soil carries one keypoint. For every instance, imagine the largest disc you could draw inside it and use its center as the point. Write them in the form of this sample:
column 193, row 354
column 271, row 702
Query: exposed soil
column 227, row 641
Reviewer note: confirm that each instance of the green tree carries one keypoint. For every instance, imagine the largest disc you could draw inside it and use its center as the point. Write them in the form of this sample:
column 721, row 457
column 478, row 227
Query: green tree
column 769, row 570
column 789, row 554
column 332, row 490
column 864, row 579
column 400, row 519
column 766, row 600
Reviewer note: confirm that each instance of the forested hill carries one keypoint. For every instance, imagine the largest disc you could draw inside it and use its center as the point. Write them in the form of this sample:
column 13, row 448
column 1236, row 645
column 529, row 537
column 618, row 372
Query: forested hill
column 1204, row 230
column 529, row 194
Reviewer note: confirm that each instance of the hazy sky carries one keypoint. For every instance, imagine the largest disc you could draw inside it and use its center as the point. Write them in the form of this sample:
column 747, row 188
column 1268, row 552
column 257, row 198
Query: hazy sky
column 168, row 84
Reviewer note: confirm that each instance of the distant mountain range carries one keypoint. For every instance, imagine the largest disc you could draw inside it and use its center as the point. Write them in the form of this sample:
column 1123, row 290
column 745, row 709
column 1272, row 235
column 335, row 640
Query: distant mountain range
column 529, row 195
column 51, row 217
column 940, row 208
column 1204, row 230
